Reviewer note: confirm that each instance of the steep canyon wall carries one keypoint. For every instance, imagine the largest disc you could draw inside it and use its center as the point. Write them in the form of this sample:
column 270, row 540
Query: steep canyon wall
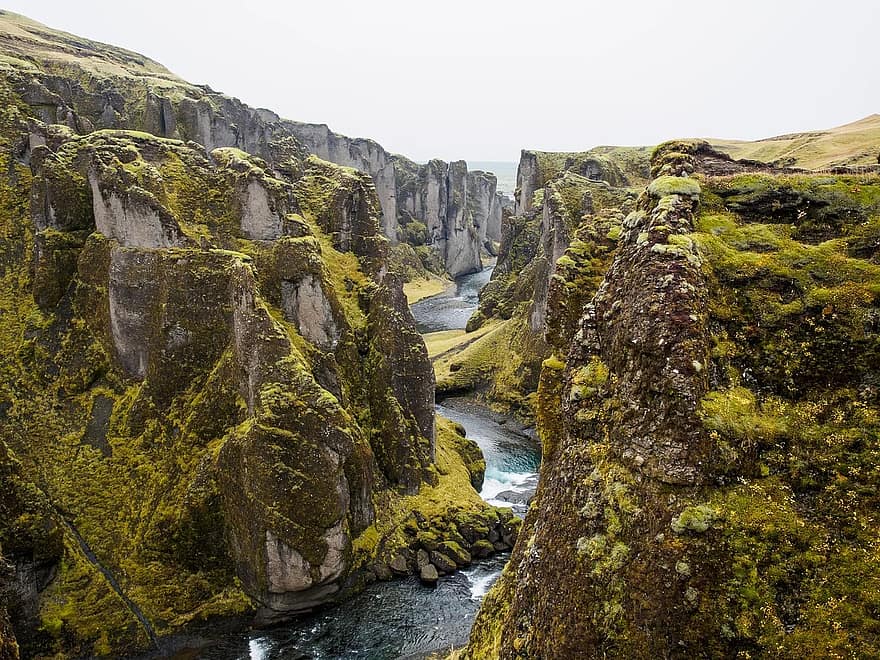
column 118, row 89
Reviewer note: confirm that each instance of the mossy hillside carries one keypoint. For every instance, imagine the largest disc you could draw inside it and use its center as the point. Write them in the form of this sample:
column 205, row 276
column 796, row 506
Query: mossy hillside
column 416, row 267
column 88, row 86
column 788, row 310
column 499, row 363
column 25, row 403
column 418, row 264
column 792, row 542
column 85, row 429
column 523, row 257
column 773, row 555
column 619, row 166
column 818, row 208
column 342, row 201
column 162, row 173
column 502, row 365
column 795, row 416
column 402, row 391
column 31, row 535
column 172, row 554
column 419, row 289
column 444, row 342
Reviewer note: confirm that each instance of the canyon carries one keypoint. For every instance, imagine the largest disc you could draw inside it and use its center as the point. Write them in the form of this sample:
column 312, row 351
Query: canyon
column 218, row 410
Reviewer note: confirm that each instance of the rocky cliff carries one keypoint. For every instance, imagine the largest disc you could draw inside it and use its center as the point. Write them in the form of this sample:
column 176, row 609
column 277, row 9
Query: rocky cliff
column 439, row 205
column 708, row 429
column 213, row 398
column 456, row 211
column 565, row 202
column 87, row 86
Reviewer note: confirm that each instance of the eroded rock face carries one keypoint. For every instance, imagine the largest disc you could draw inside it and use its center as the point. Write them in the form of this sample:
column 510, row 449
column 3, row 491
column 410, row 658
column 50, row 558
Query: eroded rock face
column 259, row 221
column 666, row 470
column 551, row 260
column 455, row 206
column 134, row 295
column 364, row 155
column 527, row 181
column 132, row 218
column 178, row 110
column 407, row 417
column 198, row 307
column 305, row 304
column 485, row 205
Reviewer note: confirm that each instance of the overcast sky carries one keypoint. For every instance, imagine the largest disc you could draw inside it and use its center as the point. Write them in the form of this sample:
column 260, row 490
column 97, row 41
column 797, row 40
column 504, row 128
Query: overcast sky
column 480, row 79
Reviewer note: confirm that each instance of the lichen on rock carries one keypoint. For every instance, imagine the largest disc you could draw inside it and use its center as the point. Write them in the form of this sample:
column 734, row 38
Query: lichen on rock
column 211, row 383
column 700, row 492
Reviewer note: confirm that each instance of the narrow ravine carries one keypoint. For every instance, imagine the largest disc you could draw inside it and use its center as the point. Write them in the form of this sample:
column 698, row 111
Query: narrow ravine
column 403, row 618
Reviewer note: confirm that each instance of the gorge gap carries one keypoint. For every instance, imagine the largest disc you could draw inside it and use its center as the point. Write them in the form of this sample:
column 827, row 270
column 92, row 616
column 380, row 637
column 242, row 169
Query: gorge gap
column 217, row 409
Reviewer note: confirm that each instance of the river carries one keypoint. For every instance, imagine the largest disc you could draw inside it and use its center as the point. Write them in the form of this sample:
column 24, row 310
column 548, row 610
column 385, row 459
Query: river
column 403, row 618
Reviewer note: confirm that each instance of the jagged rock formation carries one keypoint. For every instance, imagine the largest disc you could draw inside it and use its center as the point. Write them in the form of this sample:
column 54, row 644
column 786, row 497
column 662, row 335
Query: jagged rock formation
column 440, row 205
column 457, row 211
column 213, row 397
column 618, row 166
column 706, row 430
column 537, row 246
column 87, row 86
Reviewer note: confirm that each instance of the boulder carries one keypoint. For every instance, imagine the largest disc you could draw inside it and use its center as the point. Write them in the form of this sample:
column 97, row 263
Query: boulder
column 482, row 549
column 398, row 565
column 443, row 563
column 455, row 552
column 428, row 574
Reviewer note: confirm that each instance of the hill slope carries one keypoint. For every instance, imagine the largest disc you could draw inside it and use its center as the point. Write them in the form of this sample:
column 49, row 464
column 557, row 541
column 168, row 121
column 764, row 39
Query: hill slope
column 854, row 144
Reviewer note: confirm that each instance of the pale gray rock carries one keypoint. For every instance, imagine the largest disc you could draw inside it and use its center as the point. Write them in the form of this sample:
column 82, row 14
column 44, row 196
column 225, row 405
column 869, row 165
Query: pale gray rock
column 305, row 304
column 132, row 217
column 527, row 181
column 259, row 220
column 133, row 295
column 286, row 570
column 554, row 241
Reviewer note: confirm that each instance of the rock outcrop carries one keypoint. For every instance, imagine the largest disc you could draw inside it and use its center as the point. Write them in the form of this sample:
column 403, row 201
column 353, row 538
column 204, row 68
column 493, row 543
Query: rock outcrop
column 123, row 90
column 213, row 399
column 570, row 217
column 700, row 491
column 456, row 210
column 170, row 305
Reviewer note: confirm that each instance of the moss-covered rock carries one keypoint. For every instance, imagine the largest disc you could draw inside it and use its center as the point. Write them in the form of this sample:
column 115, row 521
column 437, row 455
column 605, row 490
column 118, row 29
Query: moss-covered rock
column 551, row 261
column 702, row 492
column 184, row 377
